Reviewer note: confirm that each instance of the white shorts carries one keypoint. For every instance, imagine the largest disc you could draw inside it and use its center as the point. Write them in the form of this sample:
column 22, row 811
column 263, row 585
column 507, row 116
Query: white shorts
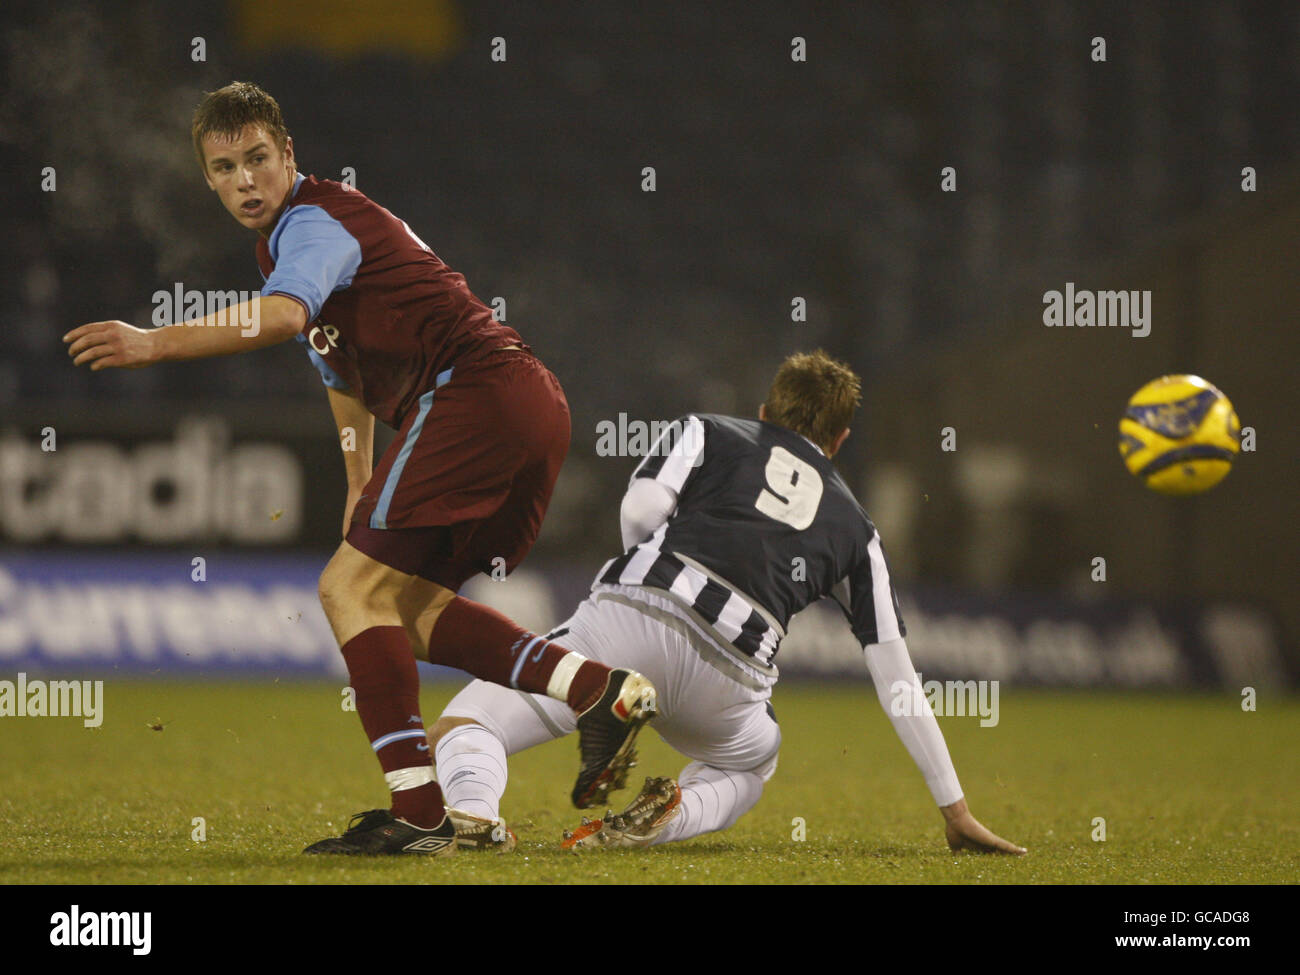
column 721, row 719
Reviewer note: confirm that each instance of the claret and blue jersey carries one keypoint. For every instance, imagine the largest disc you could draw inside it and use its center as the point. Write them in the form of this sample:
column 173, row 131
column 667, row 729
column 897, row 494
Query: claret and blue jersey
column 385, row 315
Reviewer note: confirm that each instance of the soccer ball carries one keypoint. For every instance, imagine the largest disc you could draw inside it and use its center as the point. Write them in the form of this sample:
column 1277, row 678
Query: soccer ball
column 1179, row 435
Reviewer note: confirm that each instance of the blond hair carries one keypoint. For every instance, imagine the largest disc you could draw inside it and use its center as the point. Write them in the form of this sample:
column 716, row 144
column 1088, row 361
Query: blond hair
column 814, row 395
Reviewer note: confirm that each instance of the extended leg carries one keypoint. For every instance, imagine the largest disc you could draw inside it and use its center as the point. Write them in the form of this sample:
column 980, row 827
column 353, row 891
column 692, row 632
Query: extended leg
column 456, row 632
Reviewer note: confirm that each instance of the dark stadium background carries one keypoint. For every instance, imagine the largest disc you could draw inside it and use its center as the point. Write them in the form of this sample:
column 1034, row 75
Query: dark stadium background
column 776, row 179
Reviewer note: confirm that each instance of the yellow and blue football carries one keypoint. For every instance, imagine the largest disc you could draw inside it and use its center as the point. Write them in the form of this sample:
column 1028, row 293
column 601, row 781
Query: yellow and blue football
column 1179, row 435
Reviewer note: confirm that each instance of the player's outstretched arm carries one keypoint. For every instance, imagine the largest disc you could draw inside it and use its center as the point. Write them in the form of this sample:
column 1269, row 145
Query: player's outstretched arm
column 350, row 414
column 901, row 695
column 252, row 324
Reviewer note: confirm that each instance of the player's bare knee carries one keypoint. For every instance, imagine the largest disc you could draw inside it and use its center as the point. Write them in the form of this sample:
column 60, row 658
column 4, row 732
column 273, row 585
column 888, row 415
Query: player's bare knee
column 345, row 583
column 442, row 726
column 333, row 586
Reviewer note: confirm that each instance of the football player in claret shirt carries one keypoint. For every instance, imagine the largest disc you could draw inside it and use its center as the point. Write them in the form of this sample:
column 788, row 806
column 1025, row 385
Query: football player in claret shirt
column 714, row 521
column 483, row 428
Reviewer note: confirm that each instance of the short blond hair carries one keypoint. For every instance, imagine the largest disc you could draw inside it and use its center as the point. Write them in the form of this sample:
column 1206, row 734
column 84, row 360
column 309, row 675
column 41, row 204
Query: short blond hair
column 814, row 395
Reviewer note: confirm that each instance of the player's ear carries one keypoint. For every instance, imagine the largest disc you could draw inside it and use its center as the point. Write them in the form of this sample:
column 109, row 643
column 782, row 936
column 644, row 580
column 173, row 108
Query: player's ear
column 839, row 442
column 762, row 412
column 288, row 150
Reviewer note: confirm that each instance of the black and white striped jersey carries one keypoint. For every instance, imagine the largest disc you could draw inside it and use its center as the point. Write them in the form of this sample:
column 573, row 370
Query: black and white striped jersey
column 764, row 526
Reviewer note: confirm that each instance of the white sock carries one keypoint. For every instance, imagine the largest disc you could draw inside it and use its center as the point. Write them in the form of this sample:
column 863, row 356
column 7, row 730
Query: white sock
column 712, row 799
column 472, row 770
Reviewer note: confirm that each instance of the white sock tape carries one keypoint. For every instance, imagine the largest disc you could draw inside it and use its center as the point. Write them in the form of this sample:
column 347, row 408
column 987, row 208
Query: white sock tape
column 409, row 778
column 558, row 686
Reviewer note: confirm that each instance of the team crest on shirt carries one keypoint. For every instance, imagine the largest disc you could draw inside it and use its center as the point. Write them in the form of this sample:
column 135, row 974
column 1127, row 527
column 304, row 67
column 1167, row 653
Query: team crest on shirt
column 323, row 339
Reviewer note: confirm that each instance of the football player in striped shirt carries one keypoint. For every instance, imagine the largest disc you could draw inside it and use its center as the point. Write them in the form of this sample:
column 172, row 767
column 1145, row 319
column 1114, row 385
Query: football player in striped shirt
column 730, row 527
column 483, row 428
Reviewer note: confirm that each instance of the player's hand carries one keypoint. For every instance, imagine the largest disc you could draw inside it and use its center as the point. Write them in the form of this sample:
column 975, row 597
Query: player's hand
column 964, row 831
column 106, row 345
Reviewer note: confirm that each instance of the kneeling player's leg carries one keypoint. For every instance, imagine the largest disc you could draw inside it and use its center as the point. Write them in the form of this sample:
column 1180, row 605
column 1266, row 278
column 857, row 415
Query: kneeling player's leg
column 712, row 799
column 734, row 738
column 481, row 726
column 473, row 760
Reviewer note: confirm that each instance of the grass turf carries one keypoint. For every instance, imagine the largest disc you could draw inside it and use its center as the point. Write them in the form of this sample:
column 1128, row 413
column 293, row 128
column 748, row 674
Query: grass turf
column 1192, row 790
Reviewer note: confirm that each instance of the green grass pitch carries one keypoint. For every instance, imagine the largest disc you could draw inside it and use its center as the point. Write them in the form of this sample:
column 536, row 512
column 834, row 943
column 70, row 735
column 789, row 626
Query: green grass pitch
column 1192, row 790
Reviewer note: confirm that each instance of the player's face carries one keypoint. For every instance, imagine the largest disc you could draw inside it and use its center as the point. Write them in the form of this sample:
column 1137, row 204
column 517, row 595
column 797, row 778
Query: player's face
column 251, row 175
